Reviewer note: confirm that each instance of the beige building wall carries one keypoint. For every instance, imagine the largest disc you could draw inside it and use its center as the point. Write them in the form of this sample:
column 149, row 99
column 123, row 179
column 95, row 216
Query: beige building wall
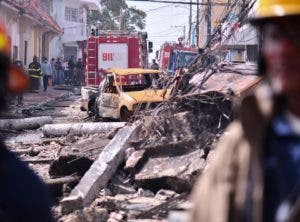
column 10, row 19
column 25, row 34
column 217, row 12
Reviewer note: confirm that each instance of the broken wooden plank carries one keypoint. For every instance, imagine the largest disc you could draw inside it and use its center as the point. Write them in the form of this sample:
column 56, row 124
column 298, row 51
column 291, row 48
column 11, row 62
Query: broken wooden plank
column 25, row 124
column 52, row 130
column 100, row 172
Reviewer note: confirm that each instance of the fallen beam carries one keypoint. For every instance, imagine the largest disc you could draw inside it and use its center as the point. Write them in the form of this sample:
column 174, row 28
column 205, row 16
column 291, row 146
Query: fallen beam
column 30, row 151
column 25, row 124
column 39, row 160
column 97, row 177
column 62, row 180
column 52, row 130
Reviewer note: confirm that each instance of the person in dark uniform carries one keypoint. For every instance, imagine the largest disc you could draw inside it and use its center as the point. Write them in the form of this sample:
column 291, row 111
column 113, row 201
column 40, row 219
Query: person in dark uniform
column 72, row 65
column 154, row 65
column 35, row 73
column 23, row 196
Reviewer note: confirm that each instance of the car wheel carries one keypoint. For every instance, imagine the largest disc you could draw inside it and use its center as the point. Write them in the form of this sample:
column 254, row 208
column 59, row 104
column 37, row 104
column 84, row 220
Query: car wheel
column 125, row 114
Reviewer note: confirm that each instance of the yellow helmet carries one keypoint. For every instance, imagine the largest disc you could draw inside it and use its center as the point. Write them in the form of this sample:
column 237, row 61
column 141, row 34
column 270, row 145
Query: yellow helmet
column 4, row 46
column 277, row 8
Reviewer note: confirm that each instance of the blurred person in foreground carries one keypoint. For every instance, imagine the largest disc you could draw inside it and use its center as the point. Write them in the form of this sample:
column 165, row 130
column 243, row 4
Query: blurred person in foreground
column 255, row 173
column 23, row 197
column 18, row 63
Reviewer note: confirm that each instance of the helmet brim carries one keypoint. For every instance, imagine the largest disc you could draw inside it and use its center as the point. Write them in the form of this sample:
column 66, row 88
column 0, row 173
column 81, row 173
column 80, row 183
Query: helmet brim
column 260, row 20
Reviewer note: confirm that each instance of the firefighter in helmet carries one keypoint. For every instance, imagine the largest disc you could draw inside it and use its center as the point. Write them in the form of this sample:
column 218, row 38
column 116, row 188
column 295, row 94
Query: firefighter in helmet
column 255, row 171
column 23, row 197
column 35, row 73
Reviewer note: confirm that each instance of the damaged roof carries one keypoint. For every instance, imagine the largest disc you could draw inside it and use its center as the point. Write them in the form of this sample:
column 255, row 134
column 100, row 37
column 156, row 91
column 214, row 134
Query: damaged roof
column 235, row 78
column 34, row 9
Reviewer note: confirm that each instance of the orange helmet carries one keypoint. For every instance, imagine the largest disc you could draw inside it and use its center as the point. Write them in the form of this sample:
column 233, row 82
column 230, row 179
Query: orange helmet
column 17, row 79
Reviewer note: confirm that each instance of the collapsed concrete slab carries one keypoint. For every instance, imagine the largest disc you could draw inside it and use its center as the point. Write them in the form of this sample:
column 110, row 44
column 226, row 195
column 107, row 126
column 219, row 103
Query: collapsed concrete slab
column 100, row 172
column 80, row 128
column 174, row 172
column 78, row 157
column 132, row 163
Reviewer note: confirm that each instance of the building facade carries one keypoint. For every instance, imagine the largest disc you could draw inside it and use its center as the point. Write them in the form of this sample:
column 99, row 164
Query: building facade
column 241, row 46
column 29, row 27
column 72, row 17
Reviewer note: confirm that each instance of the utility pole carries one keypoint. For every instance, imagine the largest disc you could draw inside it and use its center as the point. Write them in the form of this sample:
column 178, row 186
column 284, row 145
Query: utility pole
column 121, row 20
column 190, row 22
column 197, row 24
column 209, row 20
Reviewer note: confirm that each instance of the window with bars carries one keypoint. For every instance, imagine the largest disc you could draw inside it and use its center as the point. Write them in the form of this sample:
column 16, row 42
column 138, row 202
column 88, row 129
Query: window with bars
column 71, row 14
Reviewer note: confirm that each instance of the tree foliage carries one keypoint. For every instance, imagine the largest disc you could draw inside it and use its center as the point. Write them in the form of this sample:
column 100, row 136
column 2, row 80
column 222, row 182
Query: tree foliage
column 115, row 14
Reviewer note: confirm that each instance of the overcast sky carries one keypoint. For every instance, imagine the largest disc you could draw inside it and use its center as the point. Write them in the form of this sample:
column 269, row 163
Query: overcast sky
column 162, row 19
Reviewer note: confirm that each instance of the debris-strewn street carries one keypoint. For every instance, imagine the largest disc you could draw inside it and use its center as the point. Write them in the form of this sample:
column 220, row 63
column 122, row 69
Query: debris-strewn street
column 117, row 171
column 119, row 113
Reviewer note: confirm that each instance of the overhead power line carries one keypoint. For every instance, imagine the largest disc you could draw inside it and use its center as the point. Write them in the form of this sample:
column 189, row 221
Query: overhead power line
column 179, row 2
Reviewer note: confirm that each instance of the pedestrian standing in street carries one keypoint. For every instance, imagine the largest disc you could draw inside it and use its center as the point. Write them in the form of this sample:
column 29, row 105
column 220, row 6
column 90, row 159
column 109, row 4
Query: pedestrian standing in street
column 255, row 173
column 59, row 71
column 53, row 71
column 71, row 64
column 79, row 72
column 35, row 74
column 23, row 196
column 154, row 65
column 47, row 71
column 66, row 72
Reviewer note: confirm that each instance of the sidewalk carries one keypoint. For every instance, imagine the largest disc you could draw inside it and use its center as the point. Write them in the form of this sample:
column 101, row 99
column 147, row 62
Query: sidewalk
column 31, row 99
column 51, row 94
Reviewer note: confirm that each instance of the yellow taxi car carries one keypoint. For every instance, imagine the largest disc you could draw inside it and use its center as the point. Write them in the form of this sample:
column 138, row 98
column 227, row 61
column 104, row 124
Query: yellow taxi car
column 124, row 89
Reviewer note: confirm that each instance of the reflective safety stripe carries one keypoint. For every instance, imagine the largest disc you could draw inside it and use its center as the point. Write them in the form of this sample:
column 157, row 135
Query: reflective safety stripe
column 34, row 76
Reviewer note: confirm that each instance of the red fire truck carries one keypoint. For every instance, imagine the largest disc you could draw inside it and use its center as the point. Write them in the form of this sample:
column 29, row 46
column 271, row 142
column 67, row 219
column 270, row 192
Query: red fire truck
column 112, row 49
column 175, row 55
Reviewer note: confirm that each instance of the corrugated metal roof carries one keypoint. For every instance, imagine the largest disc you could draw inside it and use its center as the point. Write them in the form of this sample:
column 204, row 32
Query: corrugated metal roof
column 34, row 9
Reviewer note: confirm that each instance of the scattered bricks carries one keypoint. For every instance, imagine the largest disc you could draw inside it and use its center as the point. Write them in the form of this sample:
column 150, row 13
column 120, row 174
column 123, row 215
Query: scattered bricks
column 100, row 172
column 87, row 215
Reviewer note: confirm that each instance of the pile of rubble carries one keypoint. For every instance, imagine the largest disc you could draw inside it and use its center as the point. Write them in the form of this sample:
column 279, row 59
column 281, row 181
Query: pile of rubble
column 147, row 170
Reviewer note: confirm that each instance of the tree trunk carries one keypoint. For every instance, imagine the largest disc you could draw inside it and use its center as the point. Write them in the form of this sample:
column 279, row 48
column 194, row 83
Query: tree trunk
column 80, row 128
column 25, row 124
